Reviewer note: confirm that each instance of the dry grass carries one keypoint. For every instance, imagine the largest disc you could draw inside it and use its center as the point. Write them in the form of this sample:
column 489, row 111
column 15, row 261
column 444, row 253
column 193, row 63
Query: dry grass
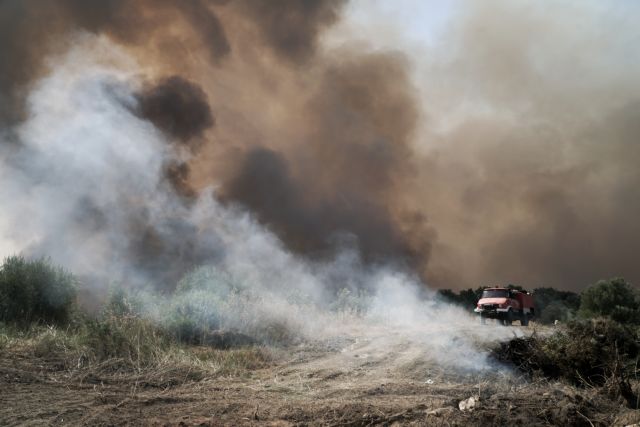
column 130, row 349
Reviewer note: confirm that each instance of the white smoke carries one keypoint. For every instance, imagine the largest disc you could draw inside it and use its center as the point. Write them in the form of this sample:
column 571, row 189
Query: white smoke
column 81, row 149
column 83, row 153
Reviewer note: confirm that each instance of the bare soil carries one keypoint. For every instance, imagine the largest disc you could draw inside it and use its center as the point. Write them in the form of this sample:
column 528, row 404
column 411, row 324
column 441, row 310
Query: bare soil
column 342, row 381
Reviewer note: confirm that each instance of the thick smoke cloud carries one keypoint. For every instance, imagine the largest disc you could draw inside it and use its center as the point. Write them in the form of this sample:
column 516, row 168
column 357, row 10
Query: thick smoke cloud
column 333, row 181
column 90, row 176
column 341, row 182
column 31, row 29
column 344, row 137
column 177, row 107
column 519, row 166
column 291, row 27
column 532, row 146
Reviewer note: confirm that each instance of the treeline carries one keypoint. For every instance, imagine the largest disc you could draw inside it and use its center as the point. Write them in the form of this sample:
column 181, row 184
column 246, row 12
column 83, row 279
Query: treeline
column 614, row 298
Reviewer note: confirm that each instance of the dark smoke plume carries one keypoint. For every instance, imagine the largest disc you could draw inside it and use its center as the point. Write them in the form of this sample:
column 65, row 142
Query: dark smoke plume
column 32, row 29
column 336, row 179
column 344, row 176
column 291, row 27
column 525, row 170
column 177, row 107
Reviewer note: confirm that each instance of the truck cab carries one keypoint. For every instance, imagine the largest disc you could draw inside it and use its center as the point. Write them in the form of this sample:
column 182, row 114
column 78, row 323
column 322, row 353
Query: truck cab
column 505, row 305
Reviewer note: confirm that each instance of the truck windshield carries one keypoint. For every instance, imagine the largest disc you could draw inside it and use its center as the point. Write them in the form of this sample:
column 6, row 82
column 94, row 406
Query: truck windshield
column 495, row 293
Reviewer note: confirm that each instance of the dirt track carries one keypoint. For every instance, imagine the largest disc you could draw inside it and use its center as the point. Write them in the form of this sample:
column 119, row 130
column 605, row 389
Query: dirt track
column 383, row 379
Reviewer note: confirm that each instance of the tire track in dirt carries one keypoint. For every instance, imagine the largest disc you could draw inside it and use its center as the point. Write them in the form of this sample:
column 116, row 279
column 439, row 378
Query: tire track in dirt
column 370, row 377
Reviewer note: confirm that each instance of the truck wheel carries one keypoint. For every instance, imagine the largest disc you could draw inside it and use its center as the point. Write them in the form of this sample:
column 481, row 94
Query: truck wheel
column 509, row 319
column 525, row 319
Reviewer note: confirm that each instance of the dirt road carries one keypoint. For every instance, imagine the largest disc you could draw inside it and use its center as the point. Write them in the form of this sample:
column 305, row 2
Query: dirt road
column 375, row 378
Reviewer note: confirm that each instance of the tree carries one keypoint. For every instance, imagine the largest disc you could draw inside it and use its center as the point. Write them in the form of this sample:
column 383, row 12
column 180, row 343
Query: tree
column 467, row 298
column 613, row 298
column 552, row 304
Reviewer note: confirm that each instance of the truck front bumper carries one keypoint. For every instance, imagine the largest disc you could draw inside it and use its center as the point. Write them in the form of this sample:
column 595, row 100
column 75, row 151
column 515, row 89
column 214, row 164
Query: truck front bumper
column 493, row 313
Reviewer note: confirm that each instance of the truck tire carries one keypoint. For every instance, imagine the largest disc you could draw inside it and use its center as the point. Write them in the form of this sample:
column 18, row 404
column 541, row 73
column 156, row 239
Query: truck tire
column 508, row 320
column 524, row 321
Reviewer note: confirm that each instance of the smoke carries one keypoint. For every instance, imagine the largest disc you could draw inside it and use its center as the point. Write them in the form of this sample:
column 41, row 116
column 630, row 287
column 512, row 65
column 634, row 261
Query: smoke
column 143, row 140
column 531, row 146
column 87, row 185
column 345, row 178
column 504, row 153
column 178, row 107
column 291, row 28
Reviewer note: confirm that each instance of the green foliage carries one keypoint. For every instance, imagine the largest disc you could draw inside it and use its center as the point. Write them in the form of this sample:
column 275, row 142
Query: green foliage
column 555, row 310
column 191, row 315
column 466, row 298
column 595, row 353
column 351, row 302
column 129, row 346
column 210, row 279
column 35, row 291
column 552, row 304
column 195, row 307
column 614, row 298
column 626, row 315
column 208, row 300
column 122, row 303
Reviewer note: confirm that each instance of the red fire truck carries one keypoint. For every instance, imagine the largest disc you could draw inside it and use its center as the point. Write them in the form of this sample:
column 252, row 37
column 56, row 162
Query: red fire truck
column 505, row 305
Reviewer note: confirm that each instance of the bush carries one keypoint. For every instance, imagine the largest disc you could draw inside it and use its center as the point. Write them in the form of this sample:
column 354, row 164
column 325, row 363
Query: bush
column 555, row 310
column 35, row 291
column 208, row 301
column 552, row 304
column 191, row 315
column 596, row 353
column 614, row 298
column 466, row 298
column 122, row 303
column 354, row 303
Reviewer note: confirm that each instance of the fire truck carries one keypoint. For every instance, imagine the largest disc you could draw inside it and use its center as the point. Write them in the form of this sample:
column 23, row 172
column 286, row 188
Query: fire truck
column 505, row 305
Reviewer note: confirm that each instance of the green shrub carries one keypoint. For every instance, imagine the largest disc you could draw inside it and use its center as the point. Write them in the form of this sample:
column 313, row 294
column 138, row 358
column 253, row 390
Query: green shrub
column 614, row 298
column 552, row 304
column 192, row 314
column 210, row 279
column 555, row 310
column 122, row 303
column 596, row 353
column 466, row 298
column 350, row 302
column 35, row 291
